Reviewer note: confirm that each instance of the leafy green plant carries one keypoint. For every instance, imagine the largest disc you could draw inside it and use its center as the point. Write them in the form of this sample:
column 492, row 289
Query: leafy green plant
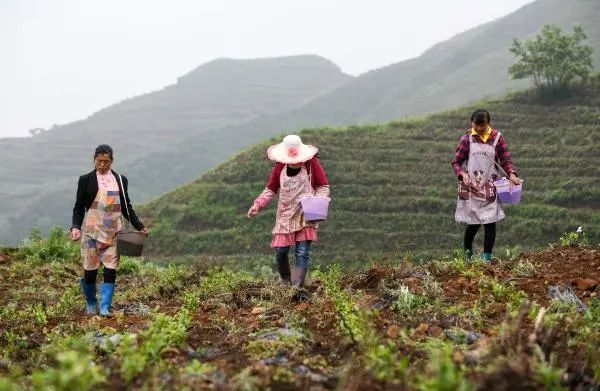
column 381, row 359
column 384, row 362
column 546, row 373
column 406, row 301
column 198, row 368
column 39, row 314
column 164, row 331
column 442, row 373
column 524, row 269
column 56, row 247
column 69, row 302
column 74, row 371
column 573, row 239
column 129, row 265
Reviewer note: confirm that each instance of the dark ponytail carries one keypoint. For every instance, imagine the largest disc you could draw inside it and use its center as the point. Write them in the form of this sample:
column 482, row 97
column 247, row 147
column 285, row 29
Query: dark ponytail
column 480, row 117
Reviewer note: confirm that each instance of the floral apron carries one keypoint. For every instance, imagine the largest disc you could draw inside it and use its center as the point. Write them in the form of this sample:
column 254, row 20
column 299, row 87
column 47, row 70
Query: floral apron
column 477, row 203
column 290, row 217
column 103, row 221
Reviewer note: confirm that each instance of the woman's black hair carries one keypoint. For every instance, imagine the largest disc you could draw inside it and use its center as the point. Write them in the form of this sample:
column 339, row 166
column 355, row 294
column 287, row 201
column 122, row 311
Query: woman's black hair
column 480, row 117
column 104, row 150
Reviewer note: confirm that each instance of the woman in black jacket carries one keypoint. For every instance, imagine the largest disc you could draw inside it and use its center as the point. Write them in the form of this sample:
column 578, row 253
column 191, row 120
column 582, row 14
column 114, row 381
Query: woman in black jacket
column 101, row 193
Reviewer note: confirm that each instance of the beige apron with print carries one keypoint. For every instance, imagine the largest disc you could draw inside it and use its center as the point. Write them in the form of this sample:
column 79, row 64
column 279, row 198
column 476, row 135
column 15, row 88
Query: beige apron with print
column 103, row 221
column 290, row 217
column 477, row 203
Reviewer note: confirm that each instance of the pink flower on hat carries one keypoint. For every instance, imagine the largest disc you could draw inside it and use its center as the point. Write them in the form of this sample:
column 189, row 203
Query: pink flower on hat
column 293, row 151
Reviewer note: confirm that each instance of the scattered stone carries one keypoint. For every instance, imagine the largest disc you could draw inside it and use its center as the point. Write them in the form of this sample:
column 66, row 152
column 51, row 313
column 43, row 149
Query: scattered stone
column 462, row 336
column 585, row 284
column 313, row 376
column 104, row 341
column 567, row 295
column 279, row 333
column 277, row 360
column 393, row 331
column 135, row 309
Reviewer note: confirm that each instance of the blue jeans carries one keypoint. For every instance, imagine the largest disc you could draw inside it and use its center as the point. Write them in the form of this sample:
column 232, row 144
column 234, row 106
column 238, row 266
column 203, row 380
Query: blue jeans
column 302, row 254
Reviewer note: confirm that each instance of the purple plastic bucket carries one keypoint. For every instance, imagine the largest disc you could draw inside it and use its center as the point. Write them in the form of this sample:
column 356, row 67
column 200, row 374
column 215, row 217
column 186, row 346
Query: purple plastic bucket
column 315, row 208
column 507, row 192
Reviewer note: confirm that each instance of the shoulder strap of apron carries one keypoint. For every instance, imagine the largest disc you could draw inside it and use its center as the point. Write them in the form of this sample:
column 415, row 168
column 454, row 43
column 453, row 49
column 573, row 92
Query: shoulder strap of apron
column 124, row 199
column 496, row 140
column 494, row 160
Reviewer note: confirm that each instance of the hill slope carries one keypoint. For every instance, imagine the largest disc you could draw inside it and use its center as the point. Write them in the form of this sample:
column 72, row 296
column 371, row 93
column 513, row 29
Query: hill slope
column 446, row 325
column 393, row 190
column 42, row 171
column 464, row 69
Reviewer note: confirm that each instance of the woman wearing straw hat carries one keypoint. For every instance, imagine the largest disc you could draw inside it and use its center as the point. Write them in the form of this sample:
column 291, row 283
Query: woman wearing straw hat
column 297, row 174
column 475, row 162
column 101, row 193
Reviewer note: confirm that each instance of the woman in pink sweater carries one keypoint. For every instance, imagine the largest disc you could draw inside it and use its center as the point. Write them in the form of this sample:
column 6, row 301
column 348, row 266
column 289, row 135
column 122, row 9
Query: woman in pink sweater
column 297, row 174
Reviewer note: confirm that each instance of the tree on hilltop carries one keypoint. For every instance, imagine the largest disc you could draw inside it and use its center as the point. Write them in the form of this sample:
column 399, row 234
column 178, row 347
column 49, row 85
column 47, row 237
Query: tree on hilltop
column 552, row 58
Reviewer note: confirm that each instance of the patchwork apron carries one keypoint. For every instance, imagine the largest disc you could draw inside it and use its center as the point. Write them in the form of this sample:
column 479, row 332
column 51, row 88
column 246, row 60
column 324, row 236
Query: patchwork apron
column 99, row 239
column 290, row 217
column 477, row 203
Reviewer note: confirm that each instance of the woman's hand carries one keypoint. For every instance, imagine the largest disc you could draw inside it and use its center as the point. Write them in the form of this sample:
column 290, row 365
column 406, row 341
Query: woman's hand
column 465, row 178
column 514, row 179
column 144, row 231
column 253, row 211
column 75, row 234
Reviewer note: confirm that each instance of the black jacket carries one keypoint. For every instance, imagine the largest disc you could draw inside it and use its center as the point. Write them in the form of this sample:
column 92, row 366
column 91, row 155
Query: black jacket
column 87, row 188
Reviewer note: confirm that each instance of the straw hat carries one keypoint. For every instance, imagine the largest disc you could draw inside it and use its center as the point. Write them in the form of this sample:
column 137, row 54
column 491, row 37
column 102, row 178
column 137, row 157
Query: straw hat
column 291, row 151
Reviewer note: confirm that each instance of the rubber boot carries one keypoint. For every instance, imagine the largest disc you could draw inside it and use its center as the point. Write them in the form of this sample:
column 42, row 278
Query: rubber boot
column 298, row 276
column 106, row 294
column 283, row 267
column 486, row 257
column 89, row 290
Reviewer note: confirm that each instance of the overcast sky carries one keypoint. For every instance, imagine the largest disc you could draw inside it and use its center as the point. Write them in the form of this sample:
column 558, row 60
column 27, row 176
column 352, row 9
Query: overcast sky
column 62, row 60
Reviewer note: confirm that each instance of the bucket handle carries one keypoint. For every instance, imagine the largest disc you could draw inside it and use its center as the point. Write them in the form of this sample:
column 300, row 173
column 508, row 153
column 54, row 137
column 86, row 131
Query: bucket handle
column 126, row 207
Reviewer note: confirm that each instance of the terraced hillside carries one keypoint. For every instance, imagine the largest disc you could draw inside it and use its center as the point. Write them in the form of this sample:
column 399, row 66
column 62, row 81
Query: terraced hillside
column 393, row 189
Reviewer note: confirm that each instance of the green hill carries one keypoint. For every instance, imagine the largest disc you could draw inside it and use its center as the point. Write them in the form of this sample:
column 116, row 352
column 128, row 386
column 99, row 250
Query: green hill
column 393, row 191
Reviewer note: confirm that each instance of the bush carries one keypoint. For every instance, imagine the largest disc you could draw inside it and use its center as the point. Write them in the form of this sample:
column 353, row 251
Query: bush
column 75, row 371
column 57, row 247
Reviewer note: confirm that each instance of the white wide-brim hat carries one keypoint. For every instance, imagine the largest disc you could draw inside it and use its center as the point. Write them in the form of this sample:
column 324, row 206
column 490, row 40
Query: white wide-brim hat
column 291, row 151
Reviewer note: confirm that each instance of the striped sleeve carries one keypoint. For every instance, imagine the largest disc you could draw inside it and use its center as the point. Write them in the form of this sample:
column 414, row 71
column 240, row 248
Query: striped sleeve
column 504, row 156
column 462, row 153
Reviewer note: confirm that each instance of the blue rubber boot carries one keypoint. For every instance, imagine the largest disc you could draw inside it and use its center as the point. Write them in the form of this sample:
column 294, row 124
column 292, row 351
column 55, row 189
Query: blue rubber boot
column 106, row 293
column 89, row 290
column 487, row 257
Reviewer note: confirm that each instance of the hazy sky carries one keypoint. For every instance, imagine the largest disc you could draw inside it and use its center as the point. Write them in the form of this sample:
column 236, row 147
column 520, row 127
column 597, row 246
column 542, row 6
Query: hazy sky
column 62, row 60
